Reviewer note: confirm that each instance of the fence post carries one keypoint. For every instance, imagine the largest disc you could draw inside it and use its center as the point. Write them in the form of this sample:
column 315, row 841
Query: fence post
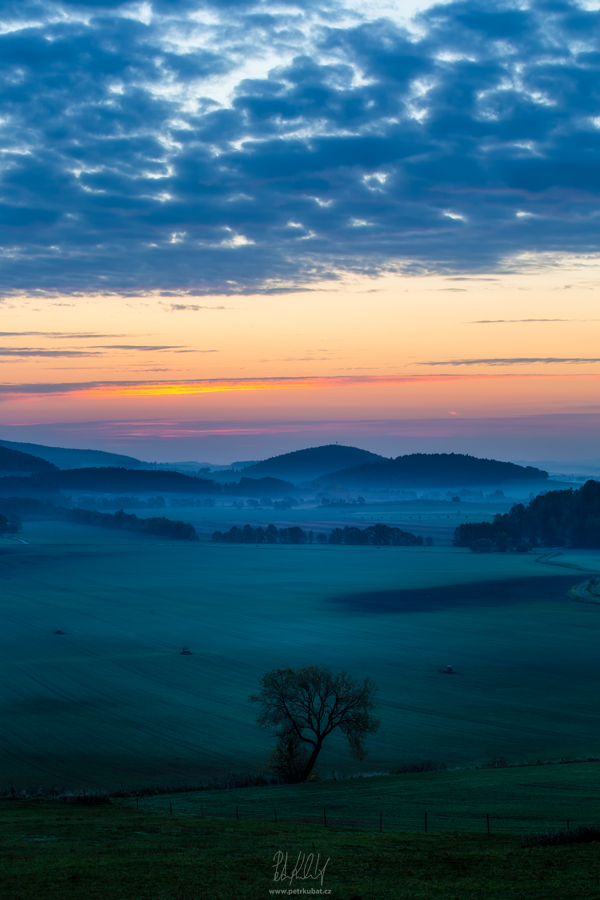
column 380, row 822
column 425, row 823
column 237, row 813
column 488, row 822
column 324, row 817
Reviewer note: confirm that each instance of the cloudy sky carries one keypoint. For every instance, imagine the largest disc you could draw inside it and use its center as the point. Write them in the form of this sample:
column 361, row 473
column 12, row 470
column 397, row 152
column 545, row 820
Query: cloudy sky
column 231, row 229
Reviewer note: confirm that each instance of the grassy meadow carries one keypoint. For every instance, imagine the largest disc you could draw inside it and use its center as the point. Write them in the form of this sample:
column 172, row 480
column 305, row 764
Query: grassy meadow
column 52, row 851
column 518, row 800
column 112, row 702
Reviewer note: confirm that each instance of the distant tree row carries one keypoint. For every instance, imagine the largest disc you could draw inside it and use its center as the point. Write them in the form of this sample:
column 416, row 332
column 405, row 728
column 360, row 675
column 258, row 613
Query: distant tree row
column 375, row 535
column 268, row 535
column 557, row 518
column 123, row 503
column 180, row 531
column 116, row 480
column 17, row 508
column 284, row 504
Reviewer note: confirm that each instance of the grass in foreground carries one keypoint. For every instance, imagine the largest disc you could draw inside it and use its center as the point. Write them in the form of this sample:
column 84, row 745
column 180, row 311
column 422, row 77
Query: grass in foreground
column 52, row 851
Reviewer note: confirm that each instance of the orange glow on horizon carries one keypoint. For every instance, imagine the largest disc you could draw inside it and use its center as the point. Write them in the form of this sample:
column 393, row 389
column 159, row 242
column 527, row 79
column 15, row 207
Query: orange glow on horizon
column 209, row 386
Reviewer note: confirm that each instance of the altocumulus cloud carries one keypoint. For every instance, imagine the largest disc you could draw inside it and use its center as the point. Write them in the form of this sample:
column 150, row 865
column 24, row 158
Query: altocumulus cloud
column 239, row 146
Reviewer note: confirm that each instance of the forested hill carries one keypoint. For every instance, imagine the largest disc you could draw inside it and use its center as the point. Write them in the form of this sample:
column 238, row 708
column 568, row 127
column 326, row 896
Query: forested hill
column 306, row 465
column 111, row 480
column 429, row 470
column 555, row 519
column 67, row 458
column 15, row 461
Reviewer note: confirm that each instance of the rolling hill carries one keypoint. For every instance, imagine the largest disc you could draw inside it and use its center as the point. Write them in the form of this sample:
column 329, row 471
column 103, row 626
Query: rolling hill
column 432, row 470
column 67, row 458
column 20, row 463
column 307, row 465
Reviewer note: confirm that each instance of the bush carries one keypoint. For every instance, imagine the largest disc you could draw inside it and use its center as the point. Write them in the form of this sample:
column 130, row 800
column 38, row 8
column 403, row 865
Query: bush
column 584, row 834
column 482, row 545
column 424, row 765
column 496, row 762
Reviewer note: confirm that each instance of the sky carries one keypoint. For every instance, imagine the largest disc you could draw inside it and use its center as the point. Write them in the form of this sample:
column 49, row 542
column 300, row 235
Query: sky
column 234, row 229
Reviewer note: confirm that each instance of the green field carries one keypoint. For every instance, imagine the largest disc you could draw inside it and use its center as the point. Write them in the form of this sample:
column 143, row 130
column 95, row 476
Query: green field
column 112, row 702
column 53, row 851
column 518, row 800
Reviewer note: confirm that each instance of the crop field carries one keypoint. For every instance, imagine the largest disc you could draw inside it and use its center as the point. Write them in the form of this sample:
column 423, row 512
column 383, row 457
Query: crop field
column 111, row 701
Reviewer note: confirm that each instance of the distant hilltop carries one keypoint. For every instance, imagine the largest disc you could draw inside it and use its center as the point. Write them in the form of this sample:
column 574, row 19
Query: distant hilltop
column 65, row 458
column 431, row 470
column 311, row 464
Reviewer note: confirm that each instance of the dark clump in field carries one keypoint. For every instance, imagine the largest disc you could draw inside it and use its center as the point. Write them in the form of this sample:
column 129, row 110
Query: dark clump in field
column 481, row 593
column 583, row 834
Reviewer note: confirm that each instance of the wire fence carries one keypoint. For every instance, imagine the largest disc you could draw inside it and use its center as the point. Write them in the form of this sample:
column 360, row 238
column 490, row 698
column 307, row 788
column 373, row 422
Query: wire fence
column 354, row 817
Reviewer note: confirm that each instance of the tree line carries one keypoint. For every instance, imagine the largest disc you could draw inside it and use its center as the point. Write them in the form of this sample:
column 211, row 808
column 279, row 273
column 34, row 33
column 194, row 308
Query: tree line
column 556, row 518
column 117, row 480
column 180, row 531
column 375, row 535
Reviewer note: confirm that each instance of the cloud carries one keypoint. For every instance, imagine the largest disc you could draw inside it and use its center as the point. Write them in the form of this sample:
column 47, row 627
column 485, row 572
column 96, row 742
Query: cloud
column 512, row 361
column 151, row 348
column 96, row 351
column 233, row 146
column 22, row 352
column 70, row 335
column 513, row 321
column 192, row 307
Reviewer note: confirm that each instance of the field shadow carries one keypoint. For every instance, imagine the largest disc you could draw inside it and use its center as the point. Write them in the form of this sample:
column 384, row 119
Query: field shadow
column 481, row 593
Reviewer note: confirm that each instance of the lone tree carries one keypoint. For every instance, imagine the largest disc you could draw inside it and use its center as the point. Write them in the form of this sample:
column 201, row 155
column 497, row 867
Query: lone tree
column 304, row 706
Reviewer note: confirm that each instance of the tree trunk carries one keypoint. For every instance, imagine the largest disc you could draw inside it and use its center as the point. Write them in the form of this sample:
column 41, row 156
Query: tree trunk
column 310, row 764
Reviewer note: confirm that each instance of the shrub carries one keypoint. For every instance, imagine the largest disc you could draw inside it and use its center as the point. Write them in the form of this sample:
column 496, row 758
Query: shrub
column 584, row 834
column 423, row 765
column 482, row 545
